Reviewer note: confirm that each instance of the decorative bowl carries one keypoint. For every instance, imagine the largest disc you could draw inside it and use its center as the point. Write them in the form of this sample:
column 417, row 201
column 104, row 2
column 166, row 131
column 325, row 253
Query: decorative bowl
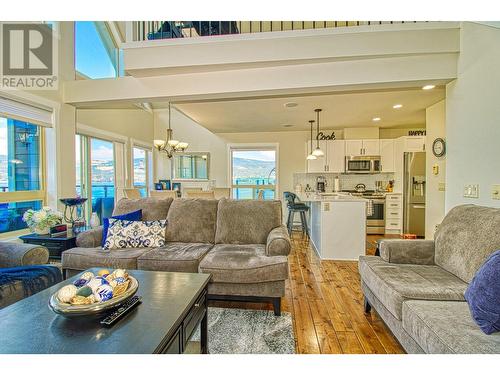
column 94, row 309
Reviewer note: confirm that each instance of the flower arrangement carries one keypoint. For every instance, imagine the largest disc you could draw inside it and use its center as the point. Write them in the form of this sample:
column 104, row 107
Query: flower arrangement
column 40, row 221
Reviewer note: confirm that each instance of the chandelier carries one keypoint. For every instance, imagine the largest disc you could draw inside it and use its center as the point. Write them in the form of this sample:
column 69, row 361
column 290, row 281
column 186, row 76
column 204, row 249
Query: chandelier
column 170, row 145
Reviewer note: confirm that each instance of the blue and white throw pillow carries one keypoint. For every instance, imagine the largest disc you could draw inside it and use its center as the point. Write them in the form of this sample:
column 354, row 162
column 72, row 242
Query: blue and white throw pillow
column 124, row 234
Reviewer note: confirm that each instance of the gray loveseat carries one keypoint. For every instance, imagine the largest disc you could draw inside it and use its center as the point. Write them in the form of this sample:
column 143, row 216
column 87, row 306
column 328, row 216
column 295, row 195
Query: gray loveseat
column 242, row 244
column 418, row 286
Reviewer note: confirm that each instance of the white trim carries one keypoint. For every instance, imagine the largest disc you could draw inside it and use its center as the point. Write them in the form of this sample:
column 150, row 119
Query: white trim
column 99, row 133
column 141, row 144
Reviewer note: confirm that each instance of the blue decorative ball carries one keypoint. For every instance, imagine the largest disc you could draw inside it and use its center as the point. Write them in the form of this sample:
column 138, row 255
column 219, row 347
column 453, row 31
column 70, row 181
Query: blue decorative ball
column 103, row 293
column 80, row 282
column 120, row 280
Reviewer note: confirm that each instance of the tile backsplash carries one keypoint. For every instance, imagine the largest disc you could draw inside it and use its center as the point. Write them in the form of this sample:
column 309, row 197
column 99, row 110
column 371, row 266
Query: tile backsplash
column 347, row 181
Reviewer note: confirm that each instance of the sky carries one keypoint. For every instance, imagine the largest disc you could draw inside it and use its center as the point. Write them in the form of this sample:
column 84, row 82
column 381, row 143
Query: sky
column 101, row 150
column 256, row 155
column 91, row 56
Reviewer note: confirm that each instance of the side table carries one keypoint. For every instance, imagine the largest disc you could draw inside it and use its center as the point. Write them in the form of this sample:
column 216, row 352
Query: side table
column 55, row 245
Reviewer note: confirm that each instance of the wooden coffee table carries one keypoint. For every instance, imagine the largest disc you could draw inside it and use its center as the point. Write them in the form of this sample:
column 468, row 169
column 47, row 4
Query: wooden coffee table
column 173, row 306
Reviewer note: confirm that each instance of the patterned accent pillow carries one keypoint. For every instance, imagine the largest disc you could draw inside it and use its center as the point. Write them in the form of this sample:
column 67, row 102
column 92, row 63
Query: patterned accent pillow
column 124, row 234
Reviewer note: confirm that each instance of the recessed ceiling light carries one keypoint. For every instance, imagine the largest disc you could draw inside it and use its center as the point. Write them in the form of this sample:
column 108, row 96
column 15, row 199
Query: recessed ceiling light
column 428, row 87
column 397, row 106
column 376, row 119
column 287, row 125
column 291, row 104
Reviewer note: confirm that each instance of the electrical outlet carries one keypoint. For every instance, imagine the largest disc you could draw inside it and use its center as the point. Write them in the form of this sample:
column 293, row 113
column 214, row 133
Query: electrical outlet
column 471, row 191
column 442, row 186
column 495, row 192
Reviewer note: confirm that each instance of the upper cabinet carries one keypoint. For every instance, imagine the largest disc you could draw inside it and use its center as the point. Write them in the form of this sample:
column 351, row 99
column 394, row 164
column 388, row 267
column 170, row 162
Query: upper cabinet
column 359, row 147
column 414, row 144
column 387, row 155
column 318, row 165
column 334, row 158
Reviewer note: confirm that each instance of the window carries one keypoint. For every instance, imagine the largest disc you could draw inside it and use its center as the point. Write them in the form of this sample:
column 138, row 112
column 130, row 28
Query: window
column 95, row 169
column 193, row 166
column 21, row 171
column 141, row 169
column 253, row 173
column 96, row 55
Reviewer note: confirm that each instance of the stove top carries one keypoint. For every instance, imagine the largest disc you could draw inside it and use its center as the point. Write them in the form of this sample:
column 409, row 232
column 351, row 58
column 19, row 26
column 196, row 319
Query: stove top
column 366, row 193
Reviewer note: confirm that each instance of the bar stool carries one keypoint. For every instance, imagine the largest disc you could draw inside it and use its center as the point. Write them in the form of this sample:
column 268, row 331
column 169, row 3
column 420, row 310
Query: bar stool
column 296, row 206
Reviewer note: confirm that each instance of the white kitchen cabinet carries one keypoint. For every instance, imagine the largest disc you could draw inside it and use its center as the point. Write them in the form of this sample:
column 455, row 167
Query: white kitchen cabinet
column 414, row 144
column 354, row 147
column 393, row 213
column 371, row 146
column 336, row 156
column 359, row 147
column 387, row 155
column 318, row 165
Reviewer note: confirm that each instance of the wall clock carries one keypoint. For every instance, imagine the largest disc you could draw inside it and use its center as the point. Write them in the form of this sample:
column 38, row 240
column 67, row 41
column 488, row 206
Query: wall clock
column 439, row 147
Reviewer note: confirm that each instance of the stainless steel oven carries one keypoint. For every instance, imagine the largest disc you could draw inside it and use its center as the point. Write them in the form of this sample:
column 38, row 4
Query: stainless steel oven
column 375, row 223
column 362, row 164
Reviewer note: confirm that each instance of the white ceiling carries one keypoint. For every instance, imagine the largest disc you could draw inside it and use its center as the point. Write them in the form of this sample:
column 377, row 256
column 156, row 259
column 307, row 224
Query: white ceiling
column 343, row 110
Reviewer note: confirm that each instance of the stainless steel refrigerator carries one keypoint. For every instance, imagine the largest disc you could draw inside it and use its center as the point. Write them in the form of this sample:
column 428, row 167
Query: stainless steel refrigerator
column 414, row 193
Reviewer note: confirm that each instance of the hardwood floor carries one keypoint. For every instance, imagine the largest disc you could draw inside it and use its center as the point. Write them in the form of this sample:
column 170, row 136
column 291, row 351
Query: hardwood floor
column 326, row 303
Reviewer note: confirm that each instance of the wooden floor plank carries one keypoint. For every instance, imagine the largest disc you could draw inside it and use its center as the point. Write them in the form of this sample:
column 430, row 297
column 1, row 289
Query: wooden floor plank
column 326, row 303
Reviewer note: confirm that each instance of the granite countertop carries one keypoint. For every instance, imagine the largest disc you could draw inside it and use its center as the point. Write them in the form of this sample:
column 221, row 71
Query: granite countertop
column 328, row 197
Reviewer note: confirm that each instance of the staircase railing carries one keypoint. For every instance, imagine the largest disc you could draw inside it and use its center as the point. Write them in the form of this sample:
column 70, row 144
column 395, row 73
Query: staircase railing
column 150, row 30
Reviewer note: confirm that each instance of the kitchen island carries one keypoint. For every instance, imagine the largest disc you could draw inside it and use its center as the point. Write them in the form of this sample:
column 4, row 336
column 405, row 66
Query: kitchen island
column 337, row 225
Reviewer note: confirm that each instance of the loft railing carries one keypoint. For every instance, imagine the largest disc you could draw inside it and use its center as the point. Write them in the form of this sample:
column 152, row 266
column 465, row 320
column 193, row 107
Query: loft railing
column 150, row 30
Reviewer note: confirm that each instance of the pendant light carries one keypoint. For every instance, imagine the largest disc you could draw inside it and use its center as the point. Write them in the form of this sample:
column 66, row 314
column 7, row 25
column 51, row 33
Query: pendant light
column 318, row 152
column 310, row 156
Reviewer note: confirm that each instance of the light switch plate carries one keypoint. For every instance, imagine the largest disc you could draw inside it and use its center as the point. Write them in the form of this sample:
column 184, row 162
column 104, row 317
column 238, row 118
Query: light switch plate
column 471, row 191
column 495, row 192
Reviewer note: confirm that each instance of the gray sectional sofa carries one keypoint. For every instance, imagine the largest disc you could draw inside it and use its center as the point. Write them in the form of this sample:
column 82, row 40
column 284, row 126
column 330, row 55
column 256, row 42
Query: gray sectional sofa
column 417, row 286
column 242, row 244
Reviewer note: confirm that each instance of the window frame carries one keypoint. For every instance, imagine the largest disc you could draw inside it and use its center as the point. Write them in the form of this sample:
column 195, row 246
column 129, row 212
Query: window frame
column 149, row 159
column 28, row 195
column 253, row 147
column 194, row 153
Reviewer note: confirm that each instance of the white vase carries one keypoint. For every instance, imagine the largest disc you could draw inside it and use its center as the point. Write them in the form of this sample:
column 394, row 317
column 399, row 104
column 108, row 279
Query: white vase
column 94, row 220
column 41, row 231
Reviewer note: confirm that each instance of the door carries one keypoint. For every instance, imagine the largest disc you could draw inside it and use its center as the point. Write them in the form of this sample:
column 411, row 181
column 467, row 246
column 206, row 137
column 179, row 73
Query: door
column 354, row 147
column 387, row 155
column 371, row 147
column 336, row 156
column 318, row 165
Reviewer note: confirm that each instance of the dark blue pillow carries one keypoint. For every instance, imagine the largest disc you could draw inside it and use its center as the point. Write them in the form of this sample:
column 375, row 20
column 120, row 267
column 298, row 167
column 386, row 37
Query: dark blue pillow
column 483, row 295
column 132, row 216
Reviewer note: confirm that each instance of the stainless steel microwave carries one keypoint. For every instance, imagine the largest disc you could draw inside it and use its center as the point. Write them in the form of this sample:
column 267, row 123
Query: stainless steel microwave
column 363, row 164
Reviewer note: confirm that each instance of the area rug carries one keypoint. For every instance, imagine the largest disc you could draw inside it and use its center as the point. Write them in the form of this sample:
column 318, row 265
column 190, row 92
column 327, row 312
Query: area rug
column 238, row 331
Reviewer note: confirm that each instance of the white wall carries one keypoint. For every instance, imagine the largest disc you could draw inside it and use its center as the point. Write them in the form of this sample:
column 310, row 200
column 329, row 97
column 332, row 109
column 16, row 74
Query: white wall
column 435, row 199
column 473, row 117
column 132, row 123
column 199, row 139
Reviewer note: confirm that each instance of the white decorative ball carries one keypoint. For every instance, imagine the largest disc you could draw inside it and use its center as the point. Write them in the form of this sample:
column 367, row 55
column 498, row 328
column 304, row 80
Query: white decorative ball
column 95, row 283
column 119, row 273
column 66, row 293
column 103, row 293
column 87, row 275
